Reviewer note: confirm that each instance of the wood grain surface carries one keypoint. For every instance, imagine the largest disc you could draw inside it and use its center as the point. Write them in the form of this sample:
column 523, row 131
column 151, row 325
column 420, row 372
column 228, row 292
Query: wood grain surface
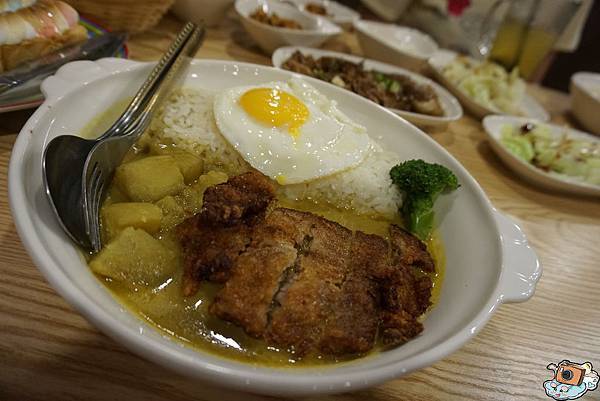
column 49, row 352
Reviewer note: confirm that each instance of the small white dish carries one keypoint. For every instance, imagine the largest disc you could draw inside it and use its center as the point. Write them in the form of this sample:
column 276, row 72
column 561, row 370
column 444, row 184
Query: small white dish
column 452, row 109
column 398, row 45
column 316, row 30
column 388, row 10
column 556, row 182
column 337, row 13
column 211, row 12
column 529, row 106
column 488, row 259
column 585, row 100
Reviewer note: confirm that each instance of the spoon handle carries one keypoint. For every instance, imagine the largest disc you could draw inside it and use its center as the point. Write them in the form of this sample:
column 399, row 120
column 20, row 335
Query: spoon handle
column 154, row 80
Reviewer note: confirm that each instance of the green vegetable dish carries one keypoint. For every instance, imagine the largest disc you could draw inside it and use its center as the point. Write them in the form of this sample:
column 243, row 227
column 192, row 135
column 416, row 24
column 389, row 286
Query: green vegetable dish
column 558, row 154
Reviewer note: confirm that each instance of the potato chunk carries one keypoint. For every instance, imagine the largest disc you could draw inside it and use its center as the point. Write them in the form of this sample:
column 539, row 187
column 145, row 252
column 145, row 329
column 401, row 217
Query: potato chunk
column 118, row 216
column 149, row 179
column 190, row 165
column 193, row 195
column 172, row 212
column 115, row 195
column 136, row 259
column 209, row 179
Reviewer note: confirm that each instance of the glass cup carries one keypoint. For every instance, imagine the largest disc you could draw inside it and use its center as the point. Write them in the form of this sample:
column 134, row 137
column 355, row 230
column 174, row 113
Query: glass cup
column 511, row 34
column 550, row 19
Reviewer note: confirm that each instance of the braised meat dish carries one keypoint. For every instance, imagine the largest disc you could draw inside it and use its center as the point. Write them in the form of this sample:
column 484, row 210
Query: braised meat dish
column 274, row 20
column 299, row 281
column 389, row 90
column 316, row 8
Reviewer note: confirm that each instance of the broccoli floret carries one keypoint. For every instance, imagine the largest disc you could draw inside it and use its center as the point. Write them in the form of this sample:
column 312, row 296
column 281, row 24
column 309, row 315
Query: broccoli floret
column 422, row 183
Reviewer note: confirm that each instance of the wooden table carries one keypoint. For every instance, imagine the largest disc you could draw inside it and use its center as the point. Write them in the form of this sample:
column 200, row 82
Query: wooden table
column 49, row 352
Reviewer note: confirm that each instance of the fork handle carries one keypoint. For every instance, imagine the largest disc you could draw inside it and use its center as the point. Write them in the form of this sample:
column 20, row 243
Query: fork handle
column 142, row 120
column 92, row 186
column 152, row 83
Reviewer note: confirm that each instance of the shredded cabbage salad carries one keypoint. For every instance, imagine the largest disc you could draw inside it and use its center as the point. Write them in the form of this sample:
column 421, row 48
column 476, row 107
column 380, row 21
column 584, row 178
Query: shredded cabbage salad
column 487, row 83
column 557, row 154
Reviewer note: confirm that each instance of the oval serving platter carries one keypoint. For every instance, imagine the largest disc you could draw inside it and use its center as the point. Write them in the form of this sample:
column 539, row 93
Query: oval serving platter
column 452, row 109
column 488, row 259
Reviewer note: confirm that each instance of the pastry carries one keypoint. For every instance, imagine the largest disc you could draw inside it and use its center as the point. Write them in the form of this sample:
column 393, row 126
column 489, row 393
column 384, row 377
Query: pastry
column 14, row 5
column 29, row 31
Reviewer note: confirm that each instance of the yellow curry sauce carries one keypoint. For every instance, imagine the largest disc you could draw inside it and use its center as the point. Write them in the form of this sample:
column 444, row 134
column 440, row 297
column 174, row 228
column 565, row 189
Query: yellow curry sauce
column 187, row 318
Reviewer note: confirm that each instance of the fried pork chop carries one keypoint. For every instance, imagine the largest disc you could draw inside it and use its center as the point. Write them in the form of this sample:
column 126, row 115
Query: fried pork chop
column 300, row 281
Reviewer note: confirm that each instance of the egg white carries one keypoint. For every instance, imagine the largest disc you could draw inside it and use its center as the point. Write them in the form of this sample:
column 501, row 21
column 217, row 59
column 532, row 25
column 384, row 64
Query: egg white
column 328, row 142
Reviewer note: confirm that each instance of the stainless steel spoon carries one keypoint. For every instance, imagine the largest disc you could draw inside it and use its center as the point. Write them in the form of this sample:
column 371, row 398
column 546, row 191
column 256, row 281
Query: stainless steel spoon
column 65, row 157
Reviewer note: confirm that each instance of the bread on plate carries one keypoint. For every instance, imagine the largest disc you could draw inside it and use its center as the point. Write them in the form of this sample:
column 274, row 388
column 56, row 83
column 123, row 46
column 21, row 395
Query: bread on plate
column 31, row 29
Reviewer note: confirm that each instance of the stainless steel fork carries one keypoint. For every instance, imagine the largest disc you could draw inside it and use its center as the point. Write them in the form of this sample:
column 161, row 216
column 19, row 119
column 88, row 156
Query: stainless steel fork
column 98, row 170
column 108, row 153
column 65, row 157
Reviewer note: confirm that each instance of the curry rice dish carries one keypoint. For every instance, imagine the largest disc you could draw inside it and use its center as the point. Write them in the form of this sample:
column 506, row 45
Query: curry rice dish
column 202, row 245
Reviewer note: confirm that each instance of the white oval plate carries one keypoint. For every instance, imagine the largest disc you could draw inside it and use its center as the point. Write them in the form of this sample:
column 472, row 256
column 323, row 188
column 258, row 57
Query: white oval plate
column 338, row 13
column 556, row 182
column 487, row 256
column 388, row 10
column 451, row 106
column 529, row 107
column 316, row 29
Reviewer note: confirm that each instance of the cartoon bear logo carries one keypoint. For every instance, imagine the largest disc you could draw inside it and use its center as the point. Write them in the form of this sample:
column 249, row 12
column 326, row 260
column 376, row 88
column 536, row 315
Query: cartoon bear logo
column 571, row 380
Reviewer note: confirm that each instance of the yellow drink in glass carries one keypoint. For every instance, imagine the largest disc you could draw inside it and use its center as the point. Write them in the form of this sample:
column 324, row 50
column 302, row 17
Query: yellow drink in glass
column 507, row 44
column 538, row 44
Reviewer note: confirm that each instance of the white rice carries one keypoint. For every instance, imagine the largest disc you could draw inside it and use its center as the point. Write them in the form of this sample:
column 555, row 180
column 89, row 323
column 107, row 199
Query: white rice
column 367, row 188
column 187, row 120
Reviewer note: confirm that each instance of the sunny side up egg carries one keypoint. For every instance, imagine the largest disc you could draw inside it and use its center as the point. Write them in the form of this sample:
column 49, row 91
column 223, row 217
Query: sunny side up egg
column 289, row 131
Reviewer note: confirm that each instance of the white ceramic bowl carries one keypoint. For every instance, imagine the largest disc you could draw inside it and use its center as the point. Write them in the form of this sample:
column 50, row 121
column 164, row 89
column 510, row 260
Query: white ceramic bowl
column 451, row 106
column 388, row 10
column 394, row 44
column 488, row 259
column 337, row 13
column 209, row 11
column 493, row 126
column 585, row 100
column 316, row 30
column 529, row 107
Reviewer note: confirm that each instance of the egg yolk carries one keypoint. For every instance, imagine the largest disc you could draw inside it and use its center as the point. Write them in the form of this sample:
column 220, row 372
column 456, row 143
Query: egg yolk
column 276, row 108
